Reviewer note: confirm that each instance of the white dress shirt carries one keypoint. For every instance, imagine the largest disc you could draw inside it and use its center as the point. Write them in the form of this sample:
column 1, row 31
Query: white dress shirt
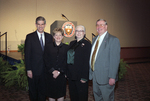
column 43, row 37
column 93, row 47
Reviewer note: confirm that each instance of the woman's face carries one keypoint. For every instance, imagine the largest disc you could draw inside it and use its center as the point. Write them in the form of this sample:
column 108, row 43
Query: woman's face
column 58, row 37
column 80, row 32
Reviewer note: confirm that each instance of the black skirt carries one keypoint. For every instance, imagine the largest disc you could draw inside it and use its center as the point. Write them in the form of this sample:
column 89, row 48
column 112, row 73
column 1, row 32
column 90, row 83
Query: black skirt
column 55, row 88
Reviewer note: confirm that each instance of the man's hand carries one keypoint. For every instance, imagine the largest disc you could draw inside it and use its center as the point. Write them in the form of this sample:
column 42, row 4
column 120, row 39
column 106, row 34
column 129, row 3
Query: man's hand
column 29, row 73
column 111, row 82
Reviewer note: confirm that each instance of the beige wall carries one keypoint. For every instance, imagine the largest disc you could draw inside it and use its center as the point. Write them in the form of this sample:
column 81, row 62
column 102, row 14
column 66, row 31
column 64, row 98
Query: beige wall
column 127, row 19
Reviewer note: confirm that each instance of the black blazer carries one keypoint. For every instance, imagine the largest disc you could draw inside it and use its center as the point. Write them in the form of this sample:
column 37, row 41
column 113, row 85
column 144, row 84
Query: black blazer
column 55, row 57
column 80, row 68
column 33, row 52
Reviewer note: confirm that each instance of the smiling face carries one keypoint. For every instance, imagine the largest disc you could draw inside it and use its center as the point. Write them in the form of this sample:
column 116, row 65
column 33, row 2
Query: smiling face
column 101, row 27
column 40, row 25
column 58, row 37
column 80, row 32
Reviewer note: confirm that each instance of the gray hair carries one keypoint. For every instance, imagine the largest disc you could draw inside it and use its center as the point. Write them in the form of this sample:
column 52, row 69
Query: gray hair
column 102, row 20
column 40, row 18
column 81, row 26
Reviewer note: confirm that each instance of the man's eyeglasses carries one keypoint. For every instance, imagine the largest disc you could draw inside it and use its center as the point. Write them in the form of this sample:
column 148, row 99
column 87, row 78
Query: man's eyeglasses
column 79, row 30
column 101, row 25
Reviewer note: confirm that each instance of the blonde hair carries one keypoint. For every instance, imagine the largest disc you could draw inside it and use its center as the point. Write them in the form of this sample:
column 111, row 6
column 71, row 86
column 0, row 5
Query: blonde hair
column 58, row 30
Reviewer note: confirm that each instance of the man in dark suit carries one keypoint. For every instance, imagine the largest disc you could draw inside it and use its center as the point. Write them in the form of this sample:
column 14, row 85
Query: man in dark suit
column 34, row 50
column 104, row 63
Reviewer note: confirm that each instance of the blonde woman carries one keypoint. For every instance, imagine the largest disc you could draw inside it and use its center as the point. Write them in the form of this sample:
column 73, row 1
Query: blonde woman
column 55, row 60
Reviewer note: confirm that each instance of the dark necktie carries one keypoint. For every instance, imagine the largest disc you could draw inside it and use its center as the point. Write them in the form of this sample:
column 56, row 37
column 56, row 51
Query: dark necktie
column 94, row 53
column 41, row 41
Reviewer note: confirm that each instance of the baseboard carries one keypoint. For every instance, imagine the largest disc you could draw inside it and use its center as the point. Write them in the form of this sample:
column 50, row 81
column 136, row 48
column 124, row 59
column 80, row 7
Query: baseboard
column 10, row 51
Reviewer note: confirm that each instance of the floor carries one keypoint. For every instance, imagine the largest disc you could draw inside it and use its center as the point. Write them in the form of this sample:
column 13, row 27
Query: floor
column 135, row 86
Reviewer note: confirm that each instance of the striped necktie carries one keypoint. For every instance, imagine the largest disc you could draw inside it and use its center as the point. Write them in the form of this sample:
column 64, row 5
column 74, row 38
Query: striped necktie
column 94, row 53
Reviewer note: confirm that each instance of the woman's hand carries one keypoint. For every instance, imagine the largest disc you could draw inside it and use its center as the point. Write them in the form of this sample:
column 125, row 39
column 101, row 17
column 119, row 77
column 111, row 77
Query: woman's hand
column 55, row 73
column 83, row 81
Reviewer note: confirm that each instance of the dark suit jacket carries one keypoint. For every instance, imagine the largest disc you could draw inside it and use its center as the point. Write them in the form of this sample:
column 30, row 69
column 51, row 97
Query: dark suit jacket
column 33, row 52
column 55, row 57
column 107, row 61
column 80, row 69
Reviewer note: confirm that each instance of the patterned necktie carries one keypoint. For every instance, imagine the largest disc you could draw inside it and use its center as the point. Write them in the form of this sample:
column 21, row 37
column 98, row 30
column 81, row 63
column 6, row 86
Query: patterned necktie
column 41, row 41
column 94, row 53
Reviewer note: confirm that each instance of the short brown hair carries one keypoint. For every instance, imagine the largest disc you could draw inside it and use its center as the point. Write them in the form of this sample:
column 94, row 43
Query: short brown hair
column 58, row 30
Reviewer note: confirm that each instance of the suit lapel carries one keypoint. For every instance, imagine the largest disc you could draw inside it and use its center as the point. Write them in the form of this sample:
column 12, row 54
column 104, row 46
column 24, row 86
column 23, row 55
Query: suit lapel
column 46, row 40
column 37, row 41
column 103, row 45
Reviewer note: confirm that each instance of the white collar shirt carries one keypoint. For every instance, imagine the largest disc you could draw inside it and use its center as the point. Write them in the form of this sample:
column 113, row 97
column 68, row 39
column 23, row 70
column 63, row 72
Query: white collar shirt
column 43, row 37
column 93, row 47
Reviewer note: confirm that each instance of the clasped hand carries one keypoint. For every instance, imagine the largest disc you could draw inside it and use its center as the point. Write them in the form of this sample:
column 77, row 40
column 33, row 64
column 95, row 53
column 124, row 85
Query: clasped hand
column 55, row 73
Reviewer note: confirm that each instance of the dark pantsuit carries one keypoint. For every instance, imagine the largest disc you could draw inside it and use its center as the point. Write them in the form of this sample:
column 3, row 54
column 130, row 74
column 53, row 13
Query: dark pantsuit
column 78, row 91
column 79, row 70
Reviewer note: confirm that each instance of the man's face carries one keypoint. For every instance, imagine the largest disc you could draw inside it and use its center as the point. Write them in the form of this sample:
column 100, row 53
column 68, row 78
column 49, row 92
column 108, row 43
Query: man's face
column 40, row 26
column 101, row 27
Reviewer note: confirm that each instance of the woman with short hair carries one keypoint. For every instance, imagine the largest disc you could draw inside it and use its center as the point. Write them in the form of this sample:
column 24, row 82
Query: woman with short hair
column 78, row 66
column 55, row 60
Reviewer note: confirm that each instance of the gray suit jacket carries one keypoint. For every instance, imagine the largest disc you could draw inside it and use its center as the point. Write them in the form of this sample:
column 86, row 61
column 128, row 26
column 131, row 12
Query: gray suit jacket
column 107, row 61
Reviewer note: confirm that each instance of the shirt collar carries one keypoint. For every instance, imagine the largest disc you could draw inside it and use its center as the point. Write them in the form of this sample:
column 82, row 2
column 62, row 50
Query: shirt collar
column 60, row 45
column 39, row 34
column 80, row 40
column 103, row 35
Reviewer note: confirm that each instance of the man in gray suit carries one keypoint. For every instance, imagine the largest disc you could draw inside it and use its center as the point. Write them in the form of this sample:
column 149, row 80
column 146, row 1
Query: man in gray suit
column 104, row 62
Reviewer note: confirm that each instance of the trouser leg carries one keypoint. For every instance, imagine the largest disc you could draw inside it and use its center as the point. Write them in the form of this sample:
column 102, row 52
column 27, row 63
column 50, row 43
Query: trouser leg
column 34, row 89
column 78, row 90
column 82, row 91
column 107, row 92
column 103, row 92
column 96, row 91
column 73, row 91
